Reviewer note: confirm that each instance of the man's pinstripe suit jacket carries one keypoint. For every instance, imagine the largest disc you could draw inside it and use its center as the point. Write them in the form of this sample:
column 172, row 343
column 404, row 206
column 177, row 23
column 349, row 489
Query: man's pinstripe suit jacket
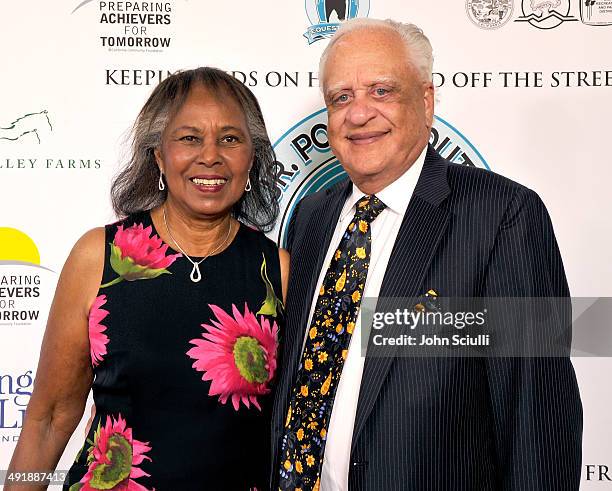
column 449, row 423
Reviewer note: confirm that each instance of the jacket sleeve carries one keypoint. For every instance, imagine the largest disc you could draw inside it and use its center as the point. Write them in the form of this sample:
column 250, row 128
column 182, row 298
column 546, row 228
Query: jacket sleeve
column 291, row 228
column 535, row 402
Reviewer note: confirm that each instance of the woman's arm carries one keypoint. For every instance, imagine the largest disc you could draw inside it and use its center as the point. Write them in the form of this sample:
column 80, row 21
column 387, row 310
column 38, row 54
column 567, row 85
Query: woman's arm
column 284, row 258
column 64, row 375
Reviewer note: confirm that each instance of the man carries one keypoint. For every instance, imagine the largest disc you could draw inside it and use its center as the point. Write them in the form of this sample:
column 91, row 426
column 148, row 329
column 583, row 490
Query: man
column 408, row 222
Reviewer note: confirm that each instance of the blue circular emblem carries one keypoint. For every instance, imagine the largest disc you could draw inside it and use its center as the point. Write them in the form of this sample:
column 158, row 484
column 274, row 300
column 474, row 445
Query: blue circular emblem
column 325, row 16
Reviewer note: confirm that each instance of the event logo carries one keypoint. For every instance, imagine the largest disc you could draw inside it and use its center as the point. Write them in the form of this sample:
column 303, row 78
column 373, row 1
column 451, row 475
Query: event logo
column 489, row 14
column 133, row 25
column 26, row 290
column 20, row 279
column 35, row 128
column 31, row 125
column 305, row 163
column 546, row 14
column 325, row 16
column 15, row 392
column 596, row 12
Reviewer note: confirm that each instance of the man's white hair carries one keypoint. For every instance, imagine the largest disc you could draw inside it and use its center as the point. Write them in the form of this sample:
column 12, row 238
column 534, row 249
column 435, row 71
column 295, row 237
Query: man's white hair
column 419, row 54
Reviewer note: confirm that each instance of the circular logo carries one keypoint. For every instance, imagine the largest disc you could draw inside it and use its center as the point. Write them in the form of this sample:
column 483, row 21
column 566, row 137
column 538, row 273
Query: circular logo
column 489, row 14
column 325, row 16
column 305, row 163
column 334, row 11
column 545, row 14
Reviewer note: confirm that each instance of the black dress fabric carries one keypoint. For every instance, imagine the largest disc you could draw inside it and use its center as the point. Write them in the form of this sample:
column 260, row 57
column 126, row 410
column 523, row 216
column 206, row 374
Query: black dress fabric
column 184, row 371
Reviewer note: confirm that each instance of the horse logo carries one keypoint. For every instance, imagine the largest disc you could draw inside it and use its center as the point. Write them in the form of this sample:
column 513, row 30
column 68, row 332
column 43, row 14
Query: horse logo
column 33, row 124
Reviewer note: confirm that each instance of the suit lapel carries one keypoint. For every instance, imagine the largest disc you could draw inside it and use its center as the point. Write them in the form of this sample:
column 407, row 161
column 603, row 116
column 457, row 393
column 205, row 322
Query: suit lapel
column 423, row 226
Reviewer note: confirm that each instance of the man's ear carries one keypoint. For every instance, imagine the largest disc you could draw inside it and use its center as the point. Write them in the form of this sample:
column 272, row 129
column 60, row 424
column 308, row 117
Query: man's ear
column 429, row 102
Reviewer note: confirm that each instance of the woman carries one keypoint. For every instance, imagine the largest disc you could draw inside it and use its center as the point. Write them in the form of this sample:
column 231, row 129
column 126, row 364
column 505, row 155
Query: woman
column 171, row 314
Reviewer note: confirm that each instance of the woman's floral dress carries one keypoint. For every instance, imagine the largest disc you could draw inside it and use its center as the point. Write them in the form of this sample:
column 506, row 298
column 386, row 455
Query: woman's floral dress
column 184, row 371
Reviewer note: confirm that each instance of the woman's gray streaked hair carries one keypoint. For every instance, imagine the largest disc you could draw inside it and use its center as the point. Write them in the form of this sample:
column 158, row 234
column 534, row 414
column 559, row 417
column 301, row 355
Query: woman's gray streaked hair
column 135, row 188
column 419, row 48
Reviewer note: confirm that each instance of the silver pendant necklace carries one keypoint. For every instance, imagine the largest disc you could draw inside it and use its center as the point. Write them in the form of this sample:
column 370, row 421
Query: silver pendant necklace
column 195, row 275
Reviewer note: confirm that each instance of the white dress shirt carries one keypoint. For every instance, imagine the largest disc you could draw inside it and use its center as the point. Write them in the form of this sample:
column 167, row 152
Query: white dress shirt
column 384, row 229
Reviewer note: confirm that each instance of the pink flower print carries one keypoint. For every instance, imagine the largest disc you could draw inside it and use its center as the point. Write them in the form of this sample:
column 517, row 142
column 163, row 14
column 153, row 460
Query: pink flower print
column 237, row 354
column 97, row 339
column 135, row 255
column 113, row 459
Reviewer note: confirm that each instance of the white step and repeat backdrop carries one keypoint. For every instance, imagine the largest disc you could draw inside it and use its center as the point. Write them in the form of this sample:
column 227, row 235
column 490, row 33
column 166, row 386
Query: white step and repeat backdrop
column 524, row 89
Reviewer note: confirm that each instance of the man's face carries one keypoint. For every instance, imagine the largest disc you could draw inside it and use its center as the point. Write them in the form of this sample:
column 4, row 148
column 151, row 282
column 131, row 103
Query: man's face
column 379, row 109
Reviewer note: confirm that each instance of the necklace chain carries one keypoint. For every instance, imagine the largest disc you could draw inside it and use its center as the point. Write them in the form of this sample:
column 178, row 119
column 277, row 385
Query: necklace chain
column 195, row 275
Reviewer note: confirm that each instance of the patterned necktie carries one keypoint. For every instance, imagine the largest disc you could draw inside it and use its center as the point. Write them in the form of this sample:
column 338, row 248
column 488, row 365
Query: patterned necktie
column 325, row 350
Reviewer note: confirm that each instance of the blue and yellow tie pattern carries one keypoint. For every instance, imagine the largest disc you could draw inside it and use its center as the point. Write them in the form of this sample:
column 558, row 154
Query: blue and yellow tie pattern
column 326, row 348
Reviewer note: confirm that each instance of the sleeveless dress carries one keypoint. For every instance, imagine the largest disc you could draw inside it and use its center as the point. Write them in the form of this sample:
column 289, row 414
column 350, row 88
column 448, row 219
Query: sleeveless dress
column 183, row 371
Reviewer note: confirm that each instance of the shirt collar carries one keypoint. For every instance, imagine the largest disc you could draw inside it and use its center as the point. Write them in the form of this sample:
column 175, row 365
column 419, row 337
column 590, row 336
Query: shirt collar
column 396, row 195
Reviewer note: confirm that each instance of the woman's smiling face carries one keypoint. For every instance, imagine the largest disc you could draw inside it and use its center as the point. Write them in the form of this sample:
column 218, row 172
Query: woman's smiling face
column 206, row 153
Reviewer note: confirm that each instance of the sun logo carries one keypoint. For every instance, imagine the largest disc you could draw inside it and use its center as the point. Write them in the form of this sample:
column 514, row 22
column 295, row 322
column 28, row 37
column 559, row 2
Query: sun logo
column 17, row 248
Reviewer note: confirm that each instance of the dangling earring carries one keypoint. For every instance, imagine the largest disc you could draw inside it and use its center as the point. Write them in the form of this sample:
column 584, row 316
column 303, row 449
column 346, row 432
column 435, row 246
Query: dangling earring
column 247, row 188
column 161, row 184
